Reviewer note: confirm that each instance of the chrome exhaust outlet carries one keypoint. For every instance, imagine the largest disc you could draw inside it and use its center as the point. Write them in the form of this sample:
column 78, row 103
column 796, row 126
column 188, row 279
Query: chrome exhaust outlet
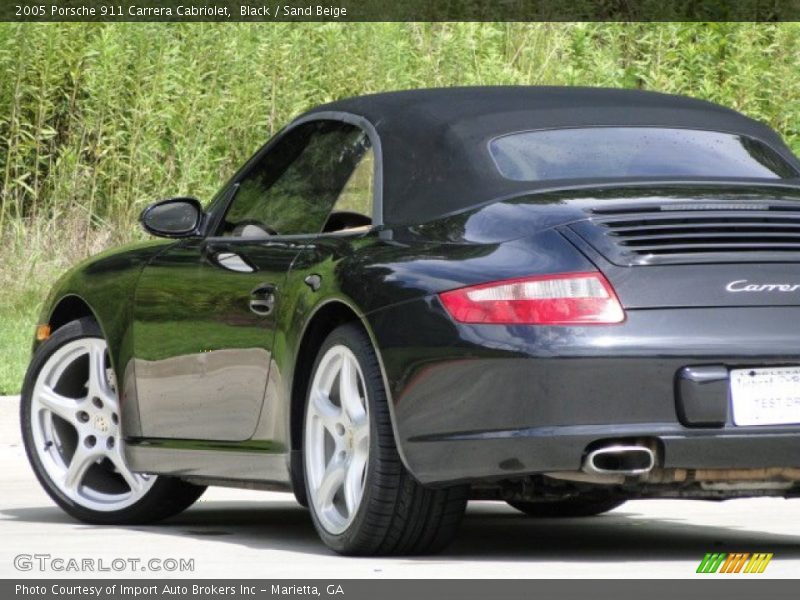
column 620, row 460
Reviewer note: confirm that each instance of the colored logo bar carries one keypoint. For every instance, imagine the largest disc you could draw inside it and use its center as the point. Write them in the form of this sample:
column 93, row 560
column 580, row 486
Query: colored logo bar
column 735, row 562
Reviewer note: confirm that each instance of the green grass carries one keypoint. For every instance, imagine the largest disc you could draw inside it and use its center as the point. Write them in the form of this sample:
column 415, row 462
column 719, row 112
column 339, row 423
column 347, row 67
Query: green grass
column 98, row 120
column 17, row 326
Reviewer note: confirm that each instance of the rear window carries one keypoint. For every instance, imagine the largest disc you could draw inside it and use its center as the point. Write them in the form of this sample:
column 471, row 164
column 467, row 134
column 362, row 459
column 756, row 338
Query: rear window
column 614, row 152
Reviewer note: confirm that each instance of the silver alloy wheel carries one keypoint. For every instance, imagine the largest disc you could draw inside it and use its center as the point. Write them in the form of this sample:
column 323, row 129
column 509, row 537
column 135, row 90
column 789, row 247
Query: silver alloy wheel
column 336, row 442
column 76, row 432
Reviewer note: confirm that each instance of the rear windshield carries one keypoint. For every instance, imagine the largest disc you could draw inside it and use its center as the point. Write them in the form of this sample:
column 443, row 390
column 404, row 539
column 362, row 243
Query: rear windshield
column 634, row 152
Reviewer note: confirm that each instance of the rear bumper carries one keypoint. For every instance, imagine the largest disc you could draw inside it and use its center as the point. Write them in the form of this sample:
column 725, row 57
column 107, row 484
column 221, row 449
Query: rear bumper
column 519, row 452
column 490, row 402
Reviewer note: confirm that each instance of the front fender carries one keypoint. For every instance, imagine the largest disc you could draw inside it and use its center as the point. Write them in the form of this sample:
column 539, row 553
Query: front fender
column 105, row 286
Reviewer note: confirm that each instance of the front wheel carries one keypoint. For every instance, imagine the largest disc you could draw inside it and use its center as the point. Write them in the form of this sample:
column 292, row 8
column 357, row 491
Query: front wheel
column 362, row 499
column 70, row 417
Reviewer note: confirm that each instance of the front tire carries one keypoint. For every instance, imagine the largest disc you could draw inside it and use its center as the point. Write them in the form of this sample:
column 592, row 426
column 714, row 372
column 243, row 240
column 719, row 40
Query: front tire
column 362, row 499
column 70, row 418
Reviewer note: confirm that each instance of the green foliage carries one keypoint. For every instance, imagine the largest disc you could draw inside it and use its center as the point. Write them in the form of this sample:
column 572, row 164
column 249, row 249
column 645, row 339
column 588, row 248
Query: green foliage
column 98, row 120
column 16, row 336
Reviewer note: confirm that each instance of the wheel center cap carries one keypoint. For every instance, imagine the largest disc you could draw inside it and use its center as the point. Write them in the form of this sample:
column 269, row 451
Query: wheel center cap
column 100, row 423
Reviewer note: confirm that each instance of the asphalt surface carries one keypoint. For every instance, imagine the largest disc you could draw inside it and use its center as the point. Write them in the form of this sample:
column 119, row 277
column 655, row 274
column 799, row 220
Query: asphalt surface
column 236, row 533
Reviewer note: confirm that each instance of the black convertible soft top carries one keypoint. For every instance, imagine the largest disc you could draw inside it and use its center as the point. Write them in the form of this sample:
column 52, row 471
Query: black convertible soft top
column 434, row 141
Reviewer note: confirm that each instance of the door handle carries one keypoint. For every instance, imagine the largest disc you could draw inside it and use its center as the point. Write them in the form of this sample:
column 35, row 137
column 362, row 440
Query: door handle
column 262, row 299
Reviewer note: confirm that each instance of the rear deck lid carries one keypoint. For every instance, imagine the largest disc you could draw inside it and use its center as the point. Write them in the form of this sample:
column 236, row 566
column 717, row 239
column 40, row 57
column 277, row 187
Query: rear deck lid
column 725, row 250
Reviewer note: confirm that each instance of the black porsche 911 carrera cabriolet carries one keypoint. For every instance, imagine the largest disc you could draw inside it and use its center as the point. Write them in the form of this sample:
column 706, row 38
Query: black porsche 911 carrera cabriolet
column 562, row 298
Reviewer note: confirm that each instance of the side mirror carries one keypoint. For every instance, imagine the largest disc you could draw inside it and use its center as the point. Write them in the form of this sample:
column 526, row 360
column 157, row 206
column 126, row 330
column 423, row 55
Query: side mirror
column 173, row 218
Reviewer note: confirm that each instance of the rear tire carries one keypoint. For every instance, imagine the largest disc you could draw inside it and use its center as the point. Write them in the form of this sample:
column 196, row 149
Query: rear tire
column 580, row 506
column 69, row 413
column 379, row 508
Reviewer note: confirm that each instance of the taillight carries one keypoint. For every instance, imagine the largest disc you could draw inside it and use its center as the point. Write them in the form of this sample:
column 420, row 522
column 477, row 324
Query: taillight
column 560, row 299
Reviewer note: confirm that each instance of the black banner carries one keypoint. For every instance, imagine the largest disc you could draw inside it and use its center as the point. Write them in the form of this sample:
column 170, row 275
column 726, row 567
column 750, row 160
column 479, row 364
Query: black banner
column 734, row 588
column 399, row 10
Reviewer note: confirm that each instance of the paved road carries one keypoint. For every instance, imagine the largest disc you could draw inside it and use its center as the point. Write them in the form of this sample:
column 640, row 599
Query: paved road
column 233, row 533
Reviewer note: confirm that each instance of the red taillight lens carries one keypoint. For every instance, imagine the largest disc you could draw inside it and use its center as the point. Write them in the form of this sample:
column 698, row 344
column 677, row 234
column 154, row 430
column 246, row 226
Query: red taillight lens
column 562, row 299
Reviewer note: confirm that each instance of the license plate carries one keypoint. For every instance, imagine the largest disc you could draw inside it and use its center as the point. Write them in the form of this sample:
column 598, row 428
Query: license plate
column 768, row 396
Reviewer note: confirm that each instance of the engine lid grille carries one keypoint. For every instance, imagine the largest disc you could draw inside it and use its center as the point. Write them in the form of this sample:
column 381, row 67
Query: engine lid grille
column 687, row 234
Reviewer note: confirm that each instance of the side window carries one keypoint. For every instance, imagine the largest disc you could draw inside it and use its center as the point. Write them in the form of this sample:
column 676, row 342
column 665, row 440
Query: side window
column 292, row 189
column 353, row 207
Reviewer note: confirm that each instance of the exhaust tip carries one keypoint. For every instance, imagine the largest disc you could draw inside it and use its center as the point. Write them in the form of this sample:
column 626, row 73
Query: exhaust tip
column 620, row 460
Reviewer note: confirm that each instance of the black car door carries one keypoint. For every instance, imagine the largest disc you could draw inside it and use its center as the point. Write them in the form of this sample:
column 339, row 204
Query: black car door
column 204, row 317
